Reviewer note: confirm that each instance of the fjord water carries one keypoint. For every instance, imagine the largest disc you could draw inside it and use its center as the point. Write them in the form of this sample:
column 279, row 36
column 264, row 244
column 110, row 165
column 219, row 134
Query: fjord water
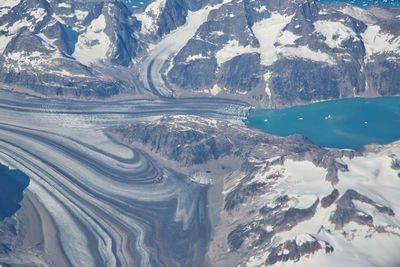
column 347, row 123
column 12, row 185
column 366, row 2
column 131, row 4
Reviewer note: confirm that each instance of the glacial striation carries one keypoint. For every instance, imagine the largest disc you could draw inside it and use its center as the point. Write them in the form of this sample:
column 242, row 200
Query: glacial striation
column 282, row 200
column 91, row 201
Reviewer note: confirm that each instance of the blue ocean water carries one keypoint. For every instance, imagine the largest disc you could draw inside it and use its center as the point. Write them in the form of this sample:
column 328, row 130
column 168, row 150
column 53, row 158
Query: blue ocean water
column 131, row 4
column 395, row 3
column 12, row 185
column 135, row 4
column 347, row 123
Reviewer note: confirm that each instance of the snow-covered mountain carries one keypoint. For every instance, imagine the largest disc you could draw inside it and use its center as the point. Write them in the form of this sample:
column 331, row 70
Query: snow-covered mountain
column 283, row 201
column 280, row 53
column 267, row 53
column 58, row 48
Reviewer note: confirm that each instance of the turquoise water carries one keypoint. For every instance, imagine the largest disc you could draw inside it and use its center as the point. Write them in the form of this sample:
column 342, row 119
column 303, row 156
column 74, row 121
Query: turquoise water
column 347, row 123
column 131, row 4
column 395, row 3
column 135, row 4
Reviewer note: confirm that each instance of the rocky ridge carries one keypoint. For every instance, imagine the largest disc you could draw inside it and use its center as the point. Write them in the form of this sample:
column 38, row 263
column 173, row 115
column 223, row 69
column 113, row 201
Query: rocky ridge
column 276, row 54
column 284, row 199
column 267, row 53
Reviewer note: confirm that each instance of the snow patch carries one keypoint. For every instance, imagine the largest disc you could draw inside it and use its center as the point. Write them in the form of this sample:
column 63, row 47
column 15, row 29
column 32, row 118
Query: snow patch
column 20, row 60
column 4, row 39
column 260, row 9
column 93, row 44
column 275, row 43
column 306, row 53
column 81, row 14
column 38, row 14
column 195, row 57
column 268, row 31
column 9, row 3
column 303, row 239
column 267, row 76
column 215, row 90
column 323, row 12
column 4, row 11
column 334, row 32
column 231, row 50
column 217, row 33
column 303, row 201
column 359, row 14
column 377, row 42
column 14, row 28
column 288, row 38
column 150, row 16
column 64, row 5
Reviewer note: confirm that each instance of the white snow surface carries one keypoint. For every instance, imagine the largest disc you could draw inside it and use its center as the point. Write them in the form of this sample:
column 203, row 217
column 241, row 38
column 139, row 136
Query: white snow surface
column 267, row 76
column 14, row 28
column 370, row 175
column 4, row 39
column 231, row 50
column 377, row 41
column 38, row 14
column 150, row 16
column 81, row 14
column 306, row 53
column 268, row 32
column 359, row 13
column 9, row 3
column 215, row 90
column 195, row 57
column 275, row 42
column 64, row 5
column 334, row 32
column 92, row 45
column 22, row 60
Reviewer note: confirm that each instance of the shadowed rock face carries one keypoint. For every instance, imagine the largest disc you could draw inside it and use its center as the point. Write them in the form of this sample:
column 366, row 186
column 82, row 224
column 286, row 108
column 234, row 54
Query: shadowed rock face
column 328, row 200
column 396, row 164
column 347, row 212
column 271, row 210
column 290, row 251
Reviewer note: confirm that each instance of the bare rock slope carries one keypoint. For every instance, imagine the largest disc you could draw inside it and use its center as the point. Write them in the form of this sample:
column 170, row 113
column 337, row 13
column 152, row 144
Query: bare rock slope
column 267, row 53
column 282, row 199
